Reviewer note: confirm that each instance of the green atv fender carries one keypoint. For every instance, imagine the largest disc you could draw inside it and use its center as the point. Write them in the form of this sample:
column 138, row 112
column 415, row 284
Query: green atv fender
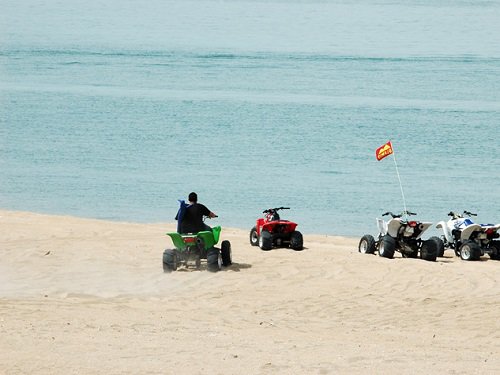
column 210, row 238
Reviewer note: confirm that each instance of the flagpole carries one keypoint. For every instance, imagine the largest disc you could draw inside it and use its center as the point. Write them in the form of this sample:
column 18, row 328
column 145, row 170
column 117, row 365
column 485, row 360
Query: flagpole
column 399, row 179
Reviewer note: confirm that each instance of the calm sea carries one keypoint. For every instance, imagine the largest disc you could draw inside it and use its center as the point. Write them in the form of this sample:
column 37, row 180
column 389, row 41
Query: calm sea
column 116, row 109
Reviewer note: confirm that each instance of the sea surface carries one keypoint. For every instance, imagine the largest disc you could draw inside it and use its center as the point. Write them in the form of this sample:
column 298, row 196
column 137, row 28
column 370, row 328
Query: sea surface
column 117, row 109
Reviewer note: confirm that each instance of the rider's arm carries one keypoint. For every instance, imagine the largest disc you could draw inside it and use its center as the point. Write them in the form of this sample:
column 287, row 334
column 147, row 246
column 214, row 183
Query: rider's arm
column 207, row 212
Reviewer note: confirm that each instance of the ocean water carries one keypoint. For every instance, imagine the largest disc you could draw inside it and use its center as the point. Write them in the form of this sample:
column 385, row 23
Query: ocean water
column 116, row 109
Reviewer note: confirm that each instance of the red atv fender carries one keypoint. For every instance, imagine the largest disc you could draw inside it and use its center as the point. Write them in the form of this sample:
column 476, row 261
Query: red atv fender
column 269, row 226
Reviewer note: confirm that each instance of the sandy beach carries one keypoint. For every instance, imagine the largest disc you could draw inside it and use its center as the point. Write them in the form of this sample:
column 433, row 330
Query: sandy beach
column 82, row 296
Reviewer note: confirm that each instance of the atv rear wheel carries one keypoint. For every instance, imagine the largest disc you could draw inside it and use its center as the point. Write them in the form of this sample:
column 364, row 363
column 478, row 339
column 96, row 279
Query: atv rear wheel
column 214, row 260
column 254, row 237
column 470, row 251
column 366, row 244
column 296, row 241
column 225, row 250
column 387, row 247
column 429, row 249
column 265, row 240
column 170, row 262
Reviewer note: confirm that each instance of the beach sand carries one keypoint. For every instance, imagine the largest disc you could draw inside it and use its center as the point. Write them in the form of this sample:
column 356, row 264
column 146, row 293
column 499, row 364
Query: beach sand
column 81, row 296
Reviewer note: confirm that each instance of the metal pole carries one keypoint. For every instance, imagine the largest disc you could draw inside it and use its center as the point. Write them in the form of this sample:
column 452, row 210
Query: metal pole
column 399, row 178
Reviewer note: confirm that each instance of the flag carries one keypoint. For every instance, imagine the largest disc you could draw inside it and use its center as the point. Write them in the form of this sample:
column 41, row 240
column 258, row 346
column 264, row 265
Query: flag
column 383, row 151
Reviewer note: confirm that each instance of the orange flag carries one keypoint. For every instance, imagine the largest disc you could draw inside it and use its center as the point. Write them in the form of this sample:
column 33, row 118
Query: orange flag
column 383, row 151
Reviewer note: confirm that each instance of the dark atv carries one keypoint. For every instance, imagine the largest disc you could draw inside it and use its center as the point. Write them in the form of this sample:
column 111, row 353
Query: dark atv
column 401, row 235
column 271, row 231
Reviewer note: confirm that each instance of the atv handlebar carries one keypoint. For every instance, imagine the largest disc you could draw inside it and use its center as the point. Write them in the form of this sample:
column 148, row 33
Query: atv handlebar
column 275, row 209
column 390, row 213
column 408, row 213
column 208, row 217
column 454, row 215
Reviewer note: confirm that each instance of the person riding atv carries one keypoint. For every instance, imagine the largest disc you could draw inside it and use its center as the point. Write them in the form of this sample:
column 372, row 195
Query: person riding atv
column 190, row 217
column 194, row 240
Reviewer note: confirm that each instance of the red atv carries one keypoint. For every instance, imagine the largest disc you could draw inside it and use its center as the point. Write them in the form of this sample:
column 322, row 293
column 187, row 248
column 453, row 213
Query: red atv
column 272, row 231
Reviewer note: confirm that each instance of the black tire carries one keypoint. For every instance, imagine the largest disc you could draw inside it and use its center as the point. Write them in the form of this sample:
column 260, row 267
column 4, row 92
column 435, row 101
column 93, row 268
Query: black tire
column 225, row 250
column 170, row 262
column 214, row 260
column 366, row 244
column 254, row 237
column 387, row 247
column 470, row 250
column 296, row 241
column 266, row 240
column 494, row 250
column 429, row 249
column 439, row 246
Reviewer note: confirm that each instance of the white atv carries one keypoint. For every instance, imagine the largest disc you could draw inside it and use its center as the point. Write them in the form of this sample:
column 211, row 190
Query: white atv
column 470, row 240
column 401, row 235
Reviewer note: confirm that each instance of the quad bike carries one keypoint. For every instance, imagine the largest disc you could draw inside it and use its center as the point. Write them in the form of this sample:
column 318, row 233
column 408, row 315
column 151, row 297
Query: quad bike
column 191, row 248
column 270, row 231
column 470, row 240
column 401, row 235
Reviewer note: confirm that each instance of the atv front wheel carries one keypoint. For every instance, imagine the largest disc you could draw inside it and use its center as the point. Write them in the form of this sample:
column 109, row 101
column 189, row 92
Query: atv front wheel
column 254, row 237
column 170, row 262
column 470, row 251
column 429, row 249
column 410, row 249
column 387, row 247
column 296, row 241
column 456, row 248
column 265, row 240
column 411, row 254
column 200, row 243
column 439, row 245
column 495, row 250
column 225, row 250
column 367, row 244
column 214, row 260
